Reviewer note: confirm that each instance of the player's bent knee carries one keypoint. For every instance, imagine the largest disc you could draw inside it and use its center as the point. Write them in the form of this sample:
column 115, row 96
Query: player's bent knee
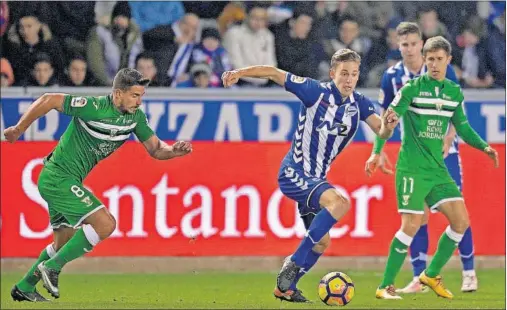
column 410, row 223
column 335, row 203
column 460, row 226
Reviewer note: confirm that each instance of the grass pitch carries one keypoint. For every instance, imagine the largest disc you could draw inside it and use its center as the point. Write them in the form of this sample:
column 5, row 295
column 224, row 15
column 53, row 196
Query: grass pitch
column 243, row 290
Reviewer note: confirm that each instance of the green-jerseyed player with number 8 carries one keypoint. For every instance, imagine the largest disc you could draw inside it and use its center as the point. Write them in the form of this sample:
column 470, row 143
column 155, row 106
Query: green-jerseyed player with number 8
column 99, row 126
column 427, row 104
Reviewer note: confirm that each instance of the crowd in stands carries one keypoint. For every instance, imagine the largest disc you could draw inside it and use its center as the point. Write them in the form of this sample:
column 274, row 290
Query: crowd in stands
column 190, row 43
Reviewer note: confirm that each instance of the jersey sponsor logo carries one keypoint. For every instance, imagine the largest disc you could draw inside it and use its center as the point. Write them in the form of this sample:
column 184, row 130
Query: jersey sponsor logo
column 297, row 79
column 351, row 110
column 381, row 96
column 335, row 129
column 425, row 94
column 78, row 102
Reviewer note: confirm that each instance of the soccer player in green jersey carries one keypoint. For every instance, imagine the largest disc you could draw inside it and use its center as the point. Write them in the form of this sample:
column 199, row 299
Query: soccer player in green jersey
column 99, row 126
column 427, row 104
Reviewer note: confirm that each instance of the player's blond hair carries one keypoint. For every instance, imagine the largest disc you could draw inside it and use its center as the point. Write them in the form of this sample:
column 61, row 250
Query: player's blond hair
column 437, row 43
column 344, row 55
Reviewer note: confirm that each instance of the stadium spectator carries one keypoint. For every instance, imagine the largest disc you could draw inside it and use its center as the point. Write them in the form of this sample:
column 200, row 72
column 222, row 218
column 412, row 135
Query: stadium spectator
column 232, row 14
column 205, row 9
column 103, row 11
column 430, row 25
column 110, row 48
column 279, row 12
column 348, row 37
column 172, row 47
column 496, row 50
column 294, row 44
column 200, row 77
column 374, row 16
column 383, row 54
column 4, row 17
column 251, row 43
column 26, row 38
column 6, row 73
column 42, row 73
column 151, row 14
column 76, row 74
column 470, row 57
column 210, row 51
column 70, row 21
column 145, row 63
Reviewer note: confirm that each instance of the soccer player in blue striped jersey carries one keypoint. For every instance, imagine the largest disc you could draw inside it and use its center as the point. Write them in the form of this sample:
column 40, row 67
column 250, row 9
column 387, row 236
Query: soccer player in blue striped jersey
column 328, row 120
column 412, row 66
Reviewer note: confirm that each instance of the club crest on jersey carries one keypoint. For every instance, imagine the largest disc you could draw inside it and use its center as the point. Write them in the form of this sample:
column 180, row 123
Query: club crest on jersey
column 439, row 105
column 297, row 79
column 78, row 102
column 351, row 110
column 405, row 200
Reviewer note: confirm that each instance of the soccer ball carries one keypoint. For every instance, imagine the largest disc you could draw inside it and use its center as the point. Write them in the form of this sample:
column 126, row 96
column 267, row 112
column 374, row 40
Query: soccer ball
column 336, row 289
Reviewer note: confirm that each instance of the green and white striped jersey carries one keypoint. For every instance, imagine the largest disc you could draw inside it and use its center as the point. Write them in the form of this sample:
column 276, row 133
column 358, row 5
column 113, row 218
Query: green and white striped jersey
column 97, row 129
column 426, row 106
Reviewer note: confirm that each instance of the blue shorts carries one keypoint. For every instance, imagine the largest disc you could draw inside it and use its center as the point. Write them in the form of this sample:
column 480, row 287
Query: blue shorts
column 453, row 163
column 303, row 189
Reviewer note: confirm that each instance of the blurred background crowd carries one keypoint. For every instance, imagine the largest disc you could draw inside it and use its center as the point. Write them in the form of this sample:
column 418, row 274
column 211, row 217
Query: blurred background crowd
column 190, row 43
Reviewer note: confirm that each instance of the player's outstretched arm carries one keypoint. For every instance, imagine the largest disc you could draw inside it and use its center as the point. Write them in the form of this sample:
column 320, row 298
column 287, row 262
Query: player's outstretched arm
column 470, row 136
column 160, row 150
column 276, row 75
column 40, row 107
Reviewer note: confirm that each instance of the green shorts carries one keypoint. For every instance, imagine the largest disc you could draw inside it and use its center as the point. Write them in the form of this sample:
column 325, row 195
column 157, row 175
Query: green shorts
column 413, row 190
column 69, row 202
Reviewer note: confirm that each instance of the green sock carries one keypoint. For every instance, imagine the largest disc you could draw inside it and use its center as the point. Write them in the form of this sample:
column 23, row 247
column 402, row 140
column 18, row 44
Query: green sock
column 76, row 247
column 27, row 284
column 397, row 254
column 446, row 246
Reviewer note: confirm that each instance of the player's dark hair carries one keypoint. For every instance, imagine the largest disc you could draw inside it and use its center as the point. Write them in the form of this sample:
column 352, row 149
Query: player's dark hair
column 127, row 77
column 344, row 55
column 437, row 43
column 405, row 28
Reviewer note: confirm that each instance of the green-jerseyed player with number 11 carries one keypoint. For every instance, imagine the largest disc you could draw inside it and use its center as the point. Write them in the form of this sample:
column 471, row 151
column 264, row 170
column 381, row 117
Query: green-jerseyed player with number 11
column 99, row 126
column 427, row 104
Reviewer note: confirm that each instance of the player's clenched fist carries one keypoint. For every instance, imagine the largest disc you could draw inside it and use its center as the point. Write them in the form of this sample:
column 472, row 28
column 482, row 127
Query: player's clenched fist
column 12, row 134
column 390, row 119
column 182, row 148
column 230, row 78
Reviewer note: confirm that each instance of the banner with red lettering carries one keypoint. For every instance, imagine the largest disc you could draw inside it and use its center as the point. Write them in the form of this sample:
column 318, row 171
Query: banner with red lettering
column 223, row 199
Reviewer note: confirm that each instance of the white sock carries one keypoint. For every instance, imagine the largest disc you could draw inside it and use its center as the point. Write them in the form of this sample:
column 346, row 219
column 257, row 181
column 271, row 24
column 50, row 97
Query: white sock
column 469, row 273
column 50, row 250
column 91, row 234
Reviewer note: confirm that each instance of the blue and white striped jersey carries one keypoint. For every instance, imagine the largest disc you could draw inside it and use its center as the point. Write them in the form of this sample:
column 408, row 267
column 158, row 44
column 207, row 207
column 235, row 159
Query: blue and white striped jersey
column 398, row 75
column 326, row 123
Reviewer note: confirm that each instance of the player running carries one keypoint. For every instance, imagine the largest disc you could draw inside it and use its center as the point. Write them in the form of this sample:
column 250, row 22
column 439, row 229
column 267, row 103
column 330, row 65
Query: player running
column 412, row 66
column 328, row 120
column 100, row 125
column 427, row 104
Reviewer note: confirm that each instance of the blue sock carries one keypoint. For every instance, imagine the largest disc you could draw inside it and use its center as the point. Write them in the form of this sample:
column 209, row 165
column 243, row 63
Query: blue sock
column 419, row 250
column 321, row 224
column 311, row 259
column 466, row 250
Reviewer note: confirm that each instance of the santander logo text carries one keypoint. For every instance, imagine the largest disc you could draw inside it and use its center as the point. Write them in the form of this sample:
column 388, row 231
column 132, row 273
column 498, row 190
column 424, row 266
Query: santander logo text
column 217, row 213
